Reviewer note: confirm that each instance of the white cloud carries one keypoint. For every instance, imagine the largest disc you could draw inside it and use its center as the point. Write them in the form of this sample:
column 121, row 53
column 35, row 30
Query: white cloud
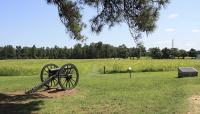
column 170, row 30
column 196, row 30
column 173, row 16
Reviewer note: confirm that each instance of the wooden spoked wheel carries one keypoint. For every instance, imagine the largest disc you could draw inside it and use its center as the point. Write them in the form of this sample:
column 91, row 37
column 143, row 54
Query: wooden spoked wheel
column 68, row 77
column 46, row 73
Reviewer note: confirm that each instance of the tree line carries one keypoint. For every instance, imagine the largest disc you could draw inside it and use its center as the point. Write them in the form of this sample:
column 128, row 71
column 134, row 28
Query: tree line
column 93, row 51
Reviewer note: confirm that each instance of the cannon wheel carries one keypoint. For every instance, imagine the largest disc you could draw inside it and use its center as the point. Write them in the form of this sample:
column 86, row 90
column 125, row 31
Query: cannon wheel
column 45, row 74
column 68, row 77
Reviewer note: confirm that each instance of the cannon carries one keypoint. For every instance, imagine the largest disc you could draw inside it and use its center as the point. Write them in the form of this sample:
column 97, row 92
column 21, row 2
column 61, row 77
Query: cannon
column 64, row 78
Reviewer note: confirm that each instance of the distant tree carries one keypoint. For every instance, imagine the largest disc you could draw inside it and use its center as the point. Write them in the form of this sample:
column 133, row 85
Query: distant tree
column 1, row 53
column 41, row 53
column 66, row 52
column 77, row 51
column 70, row 53
column 106, row 51
column 155, row 53
column 147, row 53
column 92, row 51
column 55, row 52
column 33, row 52
column 143, row 50
column 183, row 53
column 174, row 53
column 25, row 53
column 18, row 52
column 140, row 51
column 192, row 53
column 9, row 52
column 61, row 53
column 122, row 51
column 47, row 50
column 85, row 51
column 99, row 47
column 166, row 53
column 133, row 52
column 4, row 53
column 114, row 52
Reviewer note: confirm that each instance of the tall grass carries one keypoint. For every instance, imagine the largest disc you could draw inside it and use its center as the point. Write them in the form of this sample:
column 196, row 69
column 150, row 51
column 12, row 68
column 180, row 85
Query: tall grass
column 33, row 67
column 121, row 66
column 86, row 67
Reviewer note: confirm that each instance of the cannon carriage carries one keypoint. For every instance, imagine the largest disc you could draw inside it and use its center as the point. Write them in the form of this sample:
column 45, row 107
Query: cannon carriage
column 52, row 76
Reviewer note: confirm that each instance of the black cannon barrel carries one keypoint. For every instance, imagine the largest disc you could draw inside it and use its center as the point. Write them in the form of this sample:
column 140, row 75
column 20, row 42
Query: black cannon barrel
column 39, row 86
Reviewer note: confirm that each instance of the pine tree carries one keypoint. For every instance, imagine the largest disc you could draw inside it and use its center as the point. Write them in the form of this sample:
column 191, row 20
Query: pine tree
column 139, row 15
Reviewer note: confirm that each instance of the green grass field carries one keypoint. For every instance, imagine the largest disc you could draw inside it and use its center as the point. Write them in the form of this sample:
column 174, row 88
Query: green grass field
column 153, row 88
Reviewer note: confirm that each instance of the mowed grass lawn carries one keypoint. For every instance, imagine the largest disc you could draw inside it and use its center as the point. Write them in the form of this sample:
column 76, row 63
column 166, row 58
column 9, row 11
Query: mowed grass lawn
column 144, row 93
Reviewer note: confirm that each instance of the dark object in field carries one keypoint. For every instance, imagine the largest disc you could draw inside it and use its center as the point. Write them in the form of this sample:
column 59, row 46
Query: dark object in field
column 66, row 77
column 187, row 72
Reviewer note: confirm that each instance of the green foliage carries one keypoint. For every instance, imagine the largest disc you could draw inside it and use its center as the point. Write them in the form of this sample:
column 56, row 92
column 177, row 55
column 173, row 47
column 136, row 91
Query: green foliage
column 33, row 52
column 166, row 53
column 155, row 53
column 174, row 52
column 7, row 52
column 139, row 15
column 122, row 51
column 183, row 53
column 192, row 53
column 18, row 52
column 92, row 51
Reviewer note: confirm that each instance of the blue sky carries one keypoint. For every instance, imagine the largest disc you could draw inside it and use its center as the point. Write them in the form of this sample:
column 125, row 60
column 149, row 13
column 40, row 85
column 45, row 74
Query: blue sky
column 33, row 22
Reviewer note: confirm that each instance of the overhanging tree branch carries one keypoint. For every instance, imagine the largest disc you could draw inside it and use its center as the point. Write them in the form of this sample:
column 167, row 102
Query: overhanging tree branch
column 139, row 15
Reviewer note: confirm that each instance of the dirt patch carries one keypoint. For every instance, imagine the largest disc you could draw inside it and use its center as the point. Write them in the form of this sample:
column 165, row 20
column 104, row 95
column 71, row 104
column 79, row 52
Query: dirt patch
column 54, row 93
column 194, row 105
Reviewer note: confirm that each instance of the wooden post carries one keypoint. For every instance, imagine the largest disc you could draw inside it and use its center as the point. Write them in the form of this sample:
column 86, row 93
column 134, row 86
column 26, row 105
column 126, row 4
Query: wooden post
column 130, row 71
column 104, row 69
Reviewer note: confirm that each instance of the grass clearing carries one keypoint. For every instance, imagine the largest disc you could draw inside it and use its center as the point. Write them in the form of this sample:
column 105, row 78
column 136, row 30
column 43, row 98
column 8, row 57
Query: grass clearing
column 145, row 92
column 158, row 92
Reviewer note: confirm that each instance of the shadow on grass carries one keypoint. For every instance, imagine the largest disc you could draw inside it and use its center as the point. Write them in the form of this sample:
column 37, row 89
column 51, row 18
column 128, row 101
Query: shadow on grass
column 20, row 104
